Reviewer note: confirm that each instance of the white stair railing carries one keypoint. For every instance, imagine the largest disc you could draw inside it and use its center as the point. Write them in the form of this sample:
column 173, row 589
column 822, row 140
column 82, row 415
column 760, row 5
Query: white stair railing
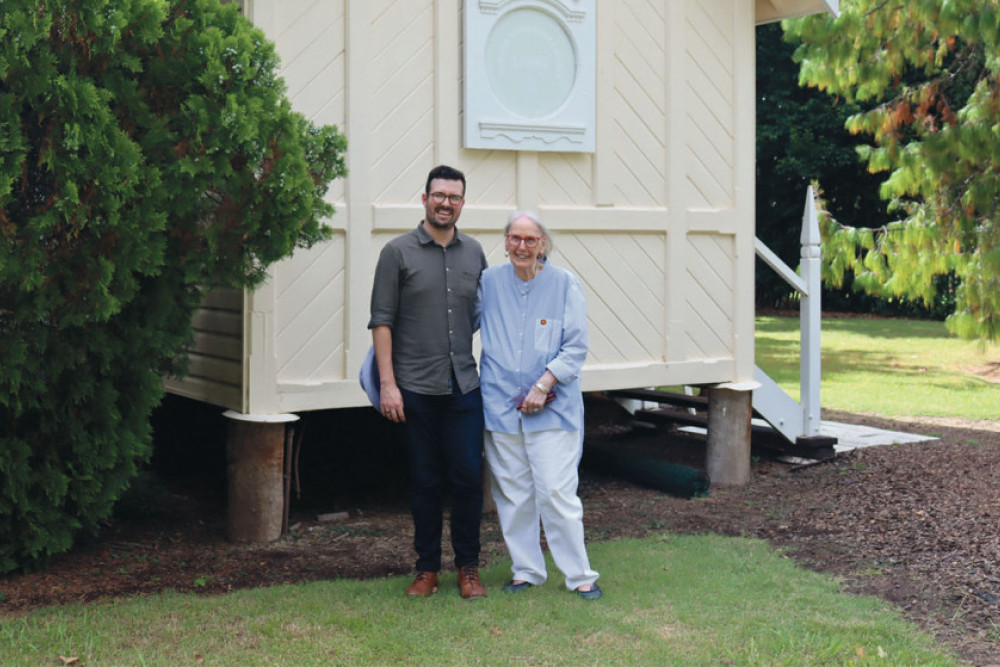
column 797, row 419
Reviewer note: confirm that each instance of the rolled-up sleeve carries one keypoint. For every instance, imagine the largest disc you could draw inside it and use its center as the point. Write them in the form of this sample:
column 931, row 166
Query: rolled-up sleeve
column 568, row 363
column 385, row 290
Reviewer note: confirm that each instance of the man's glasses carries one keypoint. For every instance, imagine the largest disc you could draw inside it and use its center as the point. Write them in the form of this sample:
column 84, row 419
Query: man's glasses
column 528, row 241
column 454, row 200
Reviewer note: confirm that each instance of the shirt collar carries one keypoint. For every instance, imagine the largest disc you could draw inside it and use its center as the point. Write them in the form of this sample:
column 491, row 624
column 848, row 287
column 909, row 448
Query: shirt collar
column 425, row 239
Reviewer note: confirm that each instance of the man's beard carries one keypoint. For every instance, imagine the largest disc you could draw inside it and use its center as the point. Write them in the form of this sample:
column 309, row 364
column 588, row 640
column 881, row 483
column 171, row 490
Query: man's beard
column 437, row 224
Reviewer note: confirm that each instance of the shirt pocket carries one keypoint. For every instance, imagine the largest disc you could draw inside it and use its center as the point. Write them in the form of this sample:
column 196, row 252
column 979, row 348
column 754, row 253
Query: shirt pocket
column 547, row 335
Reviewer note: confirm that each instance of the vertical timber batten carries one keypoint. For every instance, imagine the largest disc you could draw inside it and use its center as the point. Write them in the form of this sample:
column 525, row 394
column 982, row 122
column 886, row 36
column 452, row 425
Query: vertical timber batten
column 603, row 186
column 447, row 82
column 360, row 213
column 260, row 365
column 527, row 180
column 674, row 342
column 745, row 107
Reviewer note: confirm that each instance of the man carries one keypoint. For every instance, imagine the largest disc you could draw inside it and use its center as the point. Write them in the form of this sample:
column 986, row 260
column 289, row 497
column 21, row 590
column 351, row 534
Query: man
column 422, row 319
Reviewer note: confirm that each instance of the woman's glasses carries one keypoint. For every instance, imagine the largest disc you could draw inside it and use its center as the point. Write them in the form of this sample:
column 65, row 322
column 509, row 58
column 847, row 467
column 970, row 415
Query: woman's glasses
column 515, row 240
column 454, row 200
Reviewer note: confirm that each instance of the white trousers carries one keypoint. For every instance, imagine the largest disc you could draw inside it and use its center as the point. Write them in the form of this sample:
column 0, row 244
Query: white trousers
column 534, row 476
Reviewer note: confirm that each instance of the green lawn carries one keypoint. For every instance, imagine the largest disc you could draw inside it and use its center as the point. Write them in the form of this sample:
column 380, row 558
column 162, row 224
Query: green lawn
column 891, row 367
column 669, row 601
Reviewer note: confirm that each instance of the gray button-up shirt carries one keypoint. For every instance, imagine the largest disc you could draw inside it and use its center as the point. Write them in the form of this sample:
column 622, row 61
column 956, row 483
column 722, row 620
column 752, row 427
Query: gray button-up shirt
column 427, row 295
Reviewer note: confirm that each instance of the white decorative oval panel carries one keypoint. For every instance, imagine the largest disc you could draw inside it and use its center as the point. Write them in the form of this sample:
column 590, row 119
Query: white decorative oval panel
column 530, row 63
column 529, row 75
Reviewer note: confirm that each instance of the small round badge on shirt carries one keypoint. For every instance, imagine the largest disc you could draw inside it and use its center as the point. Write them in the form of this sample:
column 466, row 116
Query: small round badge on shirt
column 544, row 322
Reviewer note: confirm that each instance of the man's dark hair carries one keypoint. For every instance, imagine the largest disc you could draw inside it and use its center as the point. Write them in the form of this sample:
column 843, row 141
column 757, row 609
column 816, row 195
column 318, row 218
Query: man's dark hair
column 445, row 172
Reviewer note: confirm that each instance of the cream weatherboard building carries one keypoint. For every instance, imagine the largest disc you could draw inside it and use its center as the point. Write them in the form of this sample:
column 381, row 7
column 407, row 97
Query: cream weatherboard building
column 627, row 124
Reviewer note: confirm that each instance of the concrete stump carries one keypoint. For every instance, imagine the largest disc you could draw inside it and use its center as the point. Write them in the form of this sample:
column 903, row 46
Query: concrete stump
column 728, row 456
column 255, row 454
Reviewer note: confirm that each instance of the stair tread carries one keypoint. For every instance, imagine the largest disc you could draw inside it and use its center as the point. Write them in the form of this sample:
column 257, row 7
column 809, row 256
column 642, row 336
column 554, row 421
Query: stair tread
column 658, row 396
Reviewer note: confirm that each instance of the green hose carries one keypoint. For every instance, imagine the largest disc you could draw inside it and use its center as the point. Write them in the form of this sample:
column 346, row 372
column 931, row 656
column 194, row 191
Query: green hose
column 673, row 478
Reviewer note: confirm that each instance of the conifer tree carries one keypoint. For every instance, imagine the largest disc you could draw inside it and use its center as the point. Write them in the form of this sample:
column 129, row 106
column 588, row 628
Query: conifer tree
column 147, row 152
column 801, row 139
column 929, row 73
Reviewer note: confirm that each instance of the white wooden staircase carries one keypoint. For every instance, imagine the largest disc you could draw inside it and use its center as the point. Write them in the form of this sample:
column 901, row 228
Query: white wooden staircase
column 780, row 421
column 799, row 421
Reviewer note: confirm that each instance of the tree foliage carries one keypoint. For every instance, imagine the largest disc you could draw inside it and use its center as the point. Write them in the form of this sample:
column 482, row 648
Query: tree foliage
column 147, row 151
column 929, row 70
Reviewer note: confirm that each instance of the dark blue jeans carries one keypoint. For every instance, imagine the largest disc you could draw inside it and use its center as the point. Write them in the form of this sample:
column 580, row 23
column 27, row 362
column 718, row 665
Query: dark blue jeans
column 444, row 442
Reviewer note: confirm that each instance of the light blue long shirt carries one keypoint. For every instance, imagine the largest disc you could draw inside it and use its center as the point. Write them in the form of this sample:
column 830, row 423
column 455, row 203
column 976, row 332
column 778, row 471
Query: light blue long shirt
column 523, row 335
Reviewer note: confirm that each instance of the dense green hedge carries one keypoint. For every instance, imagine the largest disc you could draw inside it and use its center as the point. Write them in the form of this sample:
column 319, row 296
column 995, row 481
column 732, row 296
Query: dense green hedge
column 146, row 149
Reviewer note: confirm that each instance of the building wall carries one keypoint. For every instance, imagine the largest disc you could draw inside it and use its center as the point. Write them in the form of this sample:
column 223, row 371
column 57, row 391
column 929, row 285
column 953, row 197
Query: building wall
column 215, row 359
column 658, row 222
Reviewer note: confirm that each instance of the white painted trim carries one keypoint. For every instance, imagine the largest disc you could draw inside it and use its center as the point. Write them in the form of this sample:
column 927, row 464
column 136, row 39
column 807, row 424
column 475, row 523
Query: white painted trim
column 347, row 393
column 358, row 192
column 780, row 410
column 702, row 371
column 206, row 391
column 769, row 257
column 675, row 340
column 261, row 365
column 810, row 318
column 768, row 11
column 527, row 181
column 744, row 106
column 447, row 82
column 745, row 385
column 721, row 221
column 606, row 220
column 404, row 217
column 260, row 418
column 604, row 155
column 263, row 14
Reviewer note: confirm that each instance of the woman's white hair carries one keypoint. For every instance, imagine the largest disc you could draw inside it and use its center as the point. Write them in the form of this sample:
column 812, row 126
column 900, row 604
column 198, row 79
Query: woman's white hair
column 531, row 215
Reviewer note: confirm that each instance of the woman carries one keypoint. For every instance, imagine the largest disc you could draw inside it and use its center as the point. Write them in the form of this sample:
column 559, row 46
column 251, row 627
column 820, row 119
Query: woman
column 534, row 338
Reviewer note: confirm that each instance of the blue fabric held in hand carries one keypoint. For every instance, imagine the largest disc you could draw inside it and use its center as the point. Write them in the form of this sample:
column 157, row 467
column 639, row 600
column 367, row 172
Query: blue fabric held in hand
column 370, row 380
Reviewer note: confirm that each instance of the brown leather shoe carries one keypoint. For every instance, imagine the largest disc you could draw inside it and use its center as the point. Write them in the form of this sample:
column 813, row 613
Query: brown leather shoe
column 424, row 585
column 469, row 584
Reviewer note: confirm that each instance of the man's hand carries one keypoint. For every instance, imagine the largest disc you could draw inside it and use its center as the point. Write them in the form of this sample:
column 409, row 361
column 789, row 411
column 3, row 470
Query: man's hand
column 391, row 398
column 392, row 403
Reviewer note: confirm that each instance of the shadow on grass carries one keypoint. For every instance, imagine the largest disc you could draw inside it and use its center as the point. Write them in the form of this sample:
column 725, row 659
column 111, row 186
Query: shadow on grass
column 859, row 326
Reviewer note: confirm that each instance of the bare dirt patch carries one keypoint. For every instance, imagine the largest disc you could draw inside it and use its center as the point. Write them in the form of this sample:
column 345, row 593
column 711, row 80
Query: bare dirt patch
column 915, row 524
column 989, row 372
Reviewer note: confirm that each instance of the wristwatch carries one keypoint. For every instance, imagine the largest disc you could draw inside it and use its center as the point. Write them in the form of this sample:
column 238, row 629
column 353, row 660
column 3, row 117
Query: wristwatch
column 541, row 387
